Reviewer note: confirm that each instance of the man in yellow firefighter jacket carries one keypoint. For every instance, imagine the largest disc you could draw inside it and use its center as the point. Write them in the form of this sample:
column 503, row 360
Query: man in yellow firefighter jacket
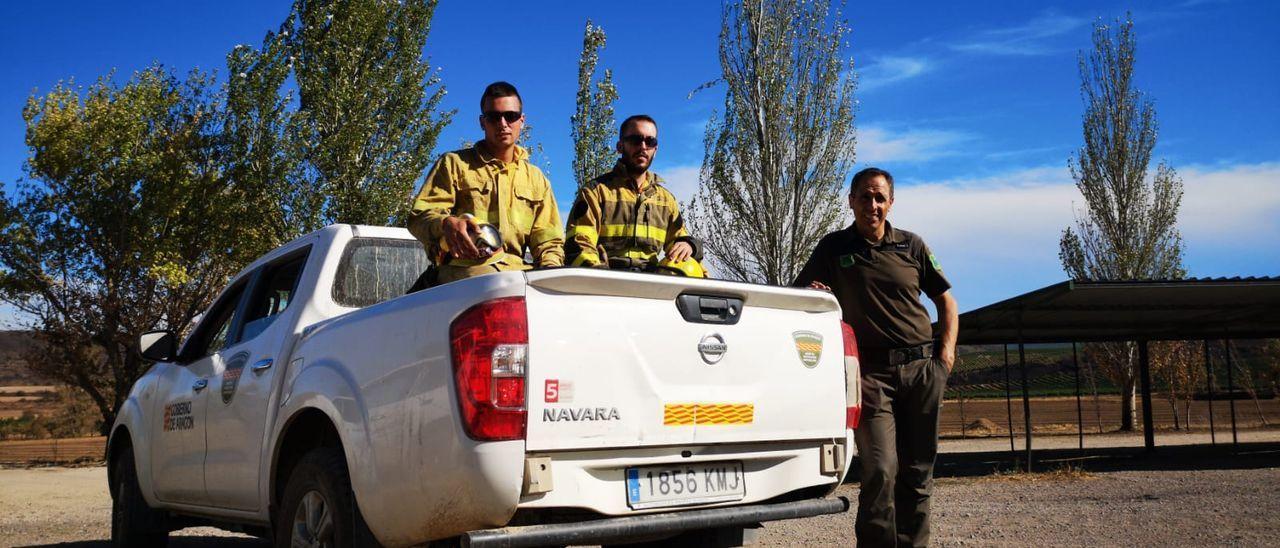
column 492, row 182
column 625, row 218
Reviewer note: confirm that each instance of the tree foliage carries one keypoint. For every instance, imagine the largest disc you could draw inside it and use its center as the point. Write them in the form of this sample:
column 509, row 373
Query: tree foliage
column 367, row 120
column 125, row 224
column 1128, row 229
column 143, row 198
column 593, row 121
column 263, row 157
column 776, row 159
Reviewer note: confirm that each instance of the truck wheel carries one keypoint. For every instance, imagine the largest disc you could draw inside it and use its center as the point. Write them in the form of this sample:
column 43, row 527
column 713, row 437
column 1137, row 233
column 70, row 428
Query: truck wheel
column 318, row 508
column 133, row 523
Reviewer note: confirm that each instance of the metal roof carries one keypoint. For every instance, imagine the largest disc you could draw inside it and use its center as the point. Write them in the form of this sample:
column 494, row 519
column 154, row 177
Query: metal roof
column 1091, row 311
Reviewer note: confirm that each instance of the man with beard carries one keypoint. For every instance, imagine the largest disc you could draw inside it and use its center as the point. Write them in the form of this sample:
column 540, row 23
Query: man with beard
column 878, row 272
column 623, row 219
column 492, row 182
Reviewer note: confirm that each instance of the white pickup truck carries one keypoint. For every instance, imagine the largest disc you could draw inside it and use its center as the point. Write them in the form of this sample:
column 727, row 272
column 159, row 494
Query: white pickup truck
column 317, row 404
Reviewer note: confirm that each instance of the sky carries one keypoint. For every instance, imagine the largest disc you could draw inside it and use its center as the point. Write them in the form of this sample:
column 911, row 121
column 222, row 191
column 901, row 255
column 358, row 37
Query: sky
column 974, row 107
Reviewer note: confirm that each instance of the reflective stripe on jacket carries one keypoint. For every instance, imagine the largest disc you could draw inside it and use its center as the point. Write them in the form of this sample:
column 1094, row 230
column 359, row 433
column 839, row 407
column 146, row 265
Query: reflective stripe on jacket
column 612, row 225
column 514, row 197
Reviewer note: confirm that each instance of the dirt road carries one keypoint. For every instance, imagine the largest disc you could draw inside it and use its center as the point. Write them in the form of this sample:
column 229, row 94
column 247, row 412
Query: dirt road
column 1184, row 496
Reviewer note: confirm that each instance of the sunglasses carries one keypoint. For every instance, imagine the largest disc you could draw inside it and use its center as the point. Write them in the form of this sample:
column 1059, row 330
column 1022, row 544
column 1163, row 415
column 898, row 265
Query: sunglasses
column 635, row 140
column 493, row 116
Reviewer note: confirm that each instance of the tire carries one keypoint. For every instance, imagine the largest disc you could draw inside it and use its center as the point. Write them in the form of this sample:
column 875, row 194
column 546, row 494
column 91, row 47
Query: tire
column 133, row 523
column 318, row 507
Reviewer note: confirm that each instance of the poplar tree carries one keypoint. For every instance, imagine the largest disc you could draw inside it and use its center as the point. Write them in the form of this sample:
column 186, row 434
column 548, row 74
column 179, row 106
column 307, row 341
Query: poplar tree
column 262, row 155
column 775, row 160
column 1128, row 227
column 593, row 121
column 368, row 118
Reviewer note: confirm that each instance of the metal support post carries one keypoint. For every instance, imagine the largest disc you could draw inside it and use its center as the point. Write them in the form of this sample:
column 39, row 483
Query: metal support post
column 1008, row 402
column 1075, row 361
column 1026, row 396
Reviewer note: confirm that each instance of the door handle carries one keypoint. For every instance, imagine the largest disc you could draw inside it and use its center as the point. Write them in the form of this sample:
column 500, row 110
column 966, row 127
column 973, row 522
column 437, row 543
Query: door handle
column 262, row 365
column 200, row 384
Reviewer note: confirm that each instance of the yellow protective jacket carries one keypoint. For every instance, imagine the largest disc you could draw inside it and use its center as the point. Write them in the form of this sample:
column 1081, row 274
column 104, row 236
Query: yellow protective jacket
column 514, row 197
column 611, row 225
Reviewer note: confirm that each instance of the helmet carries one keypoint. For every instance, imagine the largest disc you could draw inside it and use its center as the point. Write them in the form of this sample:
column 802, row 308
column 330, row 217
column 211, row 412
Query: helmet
column 485, row 236
column 689, row 268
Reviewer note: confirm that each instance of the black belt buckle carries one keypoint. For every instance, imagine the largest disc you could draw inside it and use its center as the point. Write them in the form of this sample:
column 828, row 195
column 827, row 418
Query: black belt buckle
column 903, row 356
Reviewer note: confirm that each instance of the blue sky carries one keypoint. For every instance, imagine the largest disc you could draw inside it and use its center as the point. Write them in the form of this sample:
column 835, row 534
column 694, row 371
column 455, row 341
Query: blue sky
column 974, row 107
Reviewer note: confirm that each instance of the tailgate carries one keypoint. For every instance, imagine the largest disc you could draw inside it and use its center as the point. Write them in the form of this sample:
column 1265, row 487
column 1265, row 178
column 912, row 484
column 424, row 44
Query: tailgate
column 613, row 362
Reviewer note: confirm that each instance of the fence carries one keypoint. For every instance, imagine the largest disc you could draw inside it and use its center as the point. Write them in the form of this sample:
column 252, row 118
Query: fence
column 1069, row 393
column 53, row 451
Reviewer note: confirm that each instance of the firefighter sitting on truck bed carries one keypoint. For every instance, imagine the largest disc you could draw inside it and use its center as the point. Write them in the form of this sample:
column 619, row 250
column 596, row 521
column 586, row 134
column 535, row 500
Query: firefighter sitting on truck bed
column 494, row 183
column 624, row 218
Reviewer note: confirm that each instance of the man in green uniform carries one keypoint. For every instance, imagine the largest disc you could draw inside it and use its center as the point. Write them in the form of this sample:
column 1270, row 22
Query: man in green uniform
column 494, row 183
column 877, row 272
column 626, row 218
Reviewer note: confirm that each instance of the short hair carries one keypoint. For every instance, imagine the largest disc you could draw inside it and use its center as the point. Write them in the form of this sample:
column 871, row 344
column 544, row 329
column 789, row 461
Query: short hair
column 499, row 89
column 636, row 118
column 866, row 175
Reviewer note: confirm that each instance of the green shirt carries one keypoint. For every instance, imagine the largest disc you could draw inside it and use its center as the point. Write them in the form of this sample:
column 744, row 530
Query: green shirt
column 878, row 284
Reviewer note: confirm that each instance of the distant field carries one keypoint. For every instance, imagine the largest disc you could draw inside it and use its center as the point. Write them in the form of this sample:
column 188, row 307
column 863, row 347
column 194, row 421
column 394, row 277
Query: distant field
column 33, row 389
column 16, row 400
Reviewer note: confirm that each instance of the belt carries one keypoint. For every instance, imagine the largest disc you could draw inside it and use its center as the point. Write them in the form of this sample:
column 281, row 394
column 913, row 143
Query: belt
column 897, row 356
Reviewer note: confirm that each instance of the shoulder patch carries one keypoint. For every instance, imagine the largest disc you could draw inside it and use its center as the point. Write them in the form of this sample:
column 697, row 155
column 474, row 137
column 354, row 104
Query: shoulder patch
column 934, row 261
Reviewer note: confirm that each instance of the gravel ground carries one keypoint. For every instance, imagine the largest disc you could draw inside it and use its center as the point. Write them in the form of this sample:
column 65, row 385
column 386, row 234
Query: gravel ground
column 1164, row 508
column 1189, row 496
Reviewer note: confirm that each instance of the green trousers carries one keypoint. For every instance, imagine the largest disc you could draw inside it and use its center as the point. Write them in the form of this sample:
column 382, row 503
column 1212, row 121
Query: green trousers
column 897, row 441
column 453, row 273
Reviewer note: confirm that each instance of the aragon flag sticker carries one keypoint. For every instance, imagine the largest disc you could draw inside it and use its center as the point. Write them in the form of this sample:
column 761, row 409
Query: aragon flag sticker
column 809, row 347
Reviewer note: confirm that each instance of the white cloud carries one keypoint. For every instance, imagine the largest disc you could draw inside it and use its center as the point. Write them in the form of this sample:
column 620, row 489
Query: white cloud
column 682, row 181
column 1030, row 38
column 878, row 145
column 890, row 70
column 998, row 218
column 1236, row 205
column 998, row 236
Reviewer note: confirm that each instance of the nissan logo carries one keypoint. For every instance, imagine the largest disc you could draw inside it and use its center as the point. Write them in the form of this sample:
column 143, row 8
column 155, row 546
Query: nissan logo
column 712, row 348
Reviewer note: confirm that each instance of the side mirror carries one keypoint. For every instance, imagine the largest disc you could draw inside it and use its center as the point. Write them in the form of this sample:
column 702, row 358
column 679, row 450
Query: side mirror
column 158, row 346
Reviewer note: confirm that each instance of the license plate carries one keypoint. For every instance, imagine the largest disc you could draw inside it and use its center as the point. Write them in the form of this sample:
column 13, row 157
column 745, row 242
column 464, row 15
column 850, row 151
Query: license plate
column 685, row 484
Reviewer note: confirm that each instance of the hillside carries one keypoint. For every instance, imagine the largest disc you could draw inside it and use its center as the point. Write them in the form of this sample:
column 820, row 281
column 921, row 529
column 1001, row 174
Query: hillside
column 13, row 368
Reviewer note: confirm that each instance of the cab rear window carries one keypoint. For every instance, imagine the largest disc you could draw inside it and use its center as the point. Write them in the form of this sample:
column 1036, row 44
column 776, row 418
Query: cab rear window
column 373, row 270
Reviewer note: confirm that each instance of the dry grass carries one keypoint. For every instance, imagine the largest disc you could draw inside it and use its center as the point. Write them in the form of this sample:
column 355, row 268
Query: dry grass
column 1065, row 472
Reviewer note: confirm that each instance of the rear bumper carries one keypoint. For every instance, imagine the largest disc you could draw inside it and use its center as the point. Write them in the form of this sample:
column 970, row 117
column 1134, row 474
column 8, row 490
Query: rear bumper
column 612, row 529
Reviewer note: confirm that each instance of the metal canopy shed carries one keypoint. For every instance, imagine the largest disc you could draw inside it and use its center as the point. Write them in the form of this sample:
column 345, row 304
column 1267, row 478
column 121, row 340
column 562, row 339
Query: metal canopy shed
column 1139, row 311
column 1076, row 311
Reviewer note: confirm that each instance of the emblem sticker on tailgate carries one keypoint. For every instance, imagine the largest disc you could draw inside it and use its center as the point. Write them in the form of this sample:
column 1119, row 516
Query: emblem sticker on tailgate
column 809, row 347
column 707, row 414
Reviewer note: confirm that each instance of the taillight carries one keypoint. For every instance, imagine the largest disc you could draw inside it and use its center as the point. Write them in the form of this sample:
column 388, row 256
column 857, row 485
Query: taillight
column 852, row 378
column 490, row 344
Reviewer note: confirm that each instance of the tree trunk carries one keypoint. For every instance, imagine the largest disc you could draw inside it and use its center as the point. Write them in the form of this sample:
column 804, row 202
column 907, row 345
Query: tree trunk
column 1128, row 404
